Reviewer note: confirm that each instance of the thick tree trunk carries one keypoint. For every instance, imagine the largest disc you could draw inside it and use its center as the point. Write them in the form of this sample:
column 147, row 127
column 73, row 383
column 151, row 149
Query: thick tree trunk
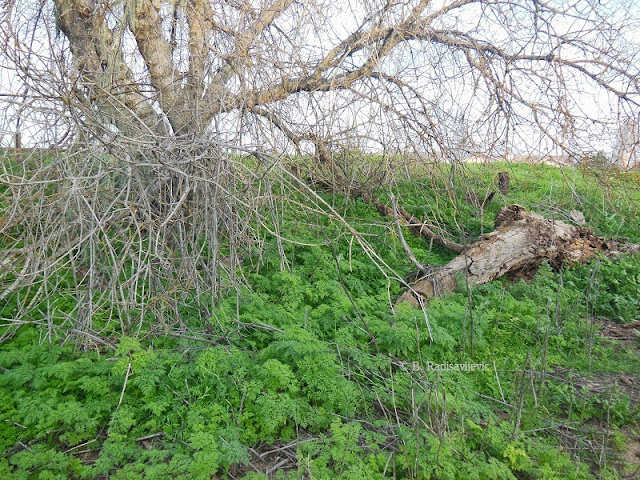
column 521, row 241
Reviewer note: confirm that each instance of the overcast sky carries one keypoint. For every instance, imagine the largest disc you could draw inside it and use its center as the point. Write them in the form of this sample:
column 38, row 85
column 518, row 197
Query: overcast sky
column 44, row 125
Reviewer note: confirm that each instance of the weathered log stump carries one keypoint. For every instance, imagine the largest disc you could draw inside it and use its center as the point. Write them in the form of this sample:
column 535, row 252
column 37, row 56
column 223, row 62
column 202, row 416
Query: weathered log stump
column 504, row 182
column 521, row 241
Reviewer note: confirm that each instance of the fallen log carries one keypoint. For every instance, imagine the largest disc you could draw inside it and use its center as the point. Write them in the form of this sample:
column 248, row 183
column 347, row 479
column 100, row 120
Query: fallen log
column 521, row 241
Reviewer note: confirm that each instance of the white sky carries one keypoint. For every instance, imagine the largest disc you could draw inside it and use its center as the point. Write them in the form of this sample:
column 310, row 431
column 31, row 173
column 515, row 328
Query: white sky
column 589, row 101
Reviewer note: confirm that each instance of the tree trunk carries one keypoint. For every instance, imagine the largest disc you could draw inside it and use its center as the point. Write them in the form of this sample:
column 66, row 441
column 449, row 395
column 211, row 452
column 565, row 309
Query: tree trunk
column 521, row 241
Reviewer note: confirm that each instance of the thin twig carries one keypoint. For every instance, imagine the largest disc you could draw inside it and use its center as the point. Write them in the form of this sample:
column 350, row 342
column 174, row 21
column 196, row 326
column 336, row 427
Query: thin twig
column 124, row 385
column 403, row 242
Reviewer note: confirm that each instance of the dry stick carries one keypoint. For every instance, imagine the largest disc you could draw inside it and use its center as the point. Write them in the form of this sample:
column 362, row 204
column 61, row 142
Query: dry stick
column 424, row 231
column 545, row 351
column 418, row 228
column 294, row 443
column 393, row 397
column 149, row 437
column 124, row 386
column 403, row 242
column 81, row 445
column 470, row 307
column 629, row 325
column 533, row 389
column 592, row 309
column 353, row 303
column 605, row 433
column 94, row 336
column 426, row 317
column 518, row 417
column 493, row 346
column 278, row 465
column 486, row 200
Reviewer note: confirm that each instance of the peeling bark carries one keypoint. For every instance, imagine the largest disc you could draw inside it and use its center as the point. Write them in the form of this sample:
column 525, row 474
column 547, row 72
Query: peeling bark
column 521, row 241
column 503, row 182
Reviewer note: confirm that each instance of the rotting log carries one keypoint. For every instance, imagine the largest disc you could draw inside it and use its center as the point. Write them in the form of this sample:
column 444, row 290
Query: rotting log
column 521, row 241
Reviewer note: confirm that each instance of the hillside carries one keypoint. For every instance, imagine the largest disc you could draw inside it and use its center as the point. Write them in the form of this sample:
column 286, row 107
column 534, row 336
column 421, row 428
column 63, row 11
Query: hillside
column 309, row 369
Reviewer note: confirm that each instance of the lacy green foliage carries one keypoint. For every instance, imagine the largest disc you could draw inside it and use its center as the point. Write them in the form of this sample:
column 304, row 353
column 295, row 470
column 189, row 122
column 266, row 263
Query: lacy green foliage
column 613, row 287
column 209, row 404
column 297, row 358
column 348, row 451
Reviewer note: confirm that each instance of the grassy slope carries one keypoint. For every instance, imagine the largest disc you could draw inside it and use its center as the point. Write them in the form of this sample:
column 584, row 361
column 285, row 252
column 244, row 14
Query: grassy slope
column 339, row 382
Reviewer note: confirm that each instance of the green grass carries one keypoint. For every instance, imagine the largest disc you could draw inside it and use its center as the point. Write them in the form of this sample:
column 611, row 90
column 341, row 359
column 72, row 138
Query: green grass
column 314, row 362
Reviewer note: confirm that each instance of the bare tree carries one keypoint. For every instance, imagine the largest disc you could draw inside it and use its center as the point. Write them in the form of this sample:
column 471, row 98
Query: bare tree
column 177, row 69
column 148, row 197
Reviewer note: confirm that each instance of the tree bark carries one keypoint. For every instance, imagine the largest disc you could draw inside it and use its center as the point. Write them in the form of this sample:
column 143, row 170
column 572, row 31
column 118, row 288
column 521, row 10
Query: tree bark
column 521, row 241
column 503, row 182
